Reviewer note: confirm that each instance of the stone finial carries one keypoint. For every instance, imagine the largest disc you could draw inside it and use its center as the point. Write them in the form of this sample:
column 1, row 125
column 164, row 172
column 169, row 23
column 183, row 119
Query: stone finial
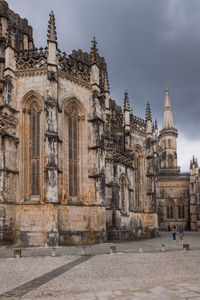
column 168, row 121
column 193, row 163
column 51, row 32
column 126, row 101
column 148, row 112
column 196, row 163
column 94, row 51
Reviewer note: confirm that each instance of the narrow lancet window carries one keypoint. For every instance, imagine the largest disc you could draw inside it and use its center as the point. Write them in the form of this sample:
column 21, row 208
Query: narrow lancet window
column 123, row 200
column 73, row 153
column 137, row 181
column 35, row 148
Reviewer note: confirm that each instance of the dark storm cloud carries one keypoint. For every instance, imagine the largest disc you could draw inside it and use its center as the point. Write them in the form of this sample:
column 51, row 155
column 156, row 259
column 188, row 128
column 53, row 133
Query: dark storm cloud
column 148, row 45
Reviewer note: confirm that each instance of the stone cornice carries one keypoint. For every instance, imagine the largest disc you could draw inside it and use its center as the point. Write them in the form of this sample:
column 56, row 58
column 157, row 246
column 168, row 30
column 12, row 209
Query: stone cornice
column 30, row 72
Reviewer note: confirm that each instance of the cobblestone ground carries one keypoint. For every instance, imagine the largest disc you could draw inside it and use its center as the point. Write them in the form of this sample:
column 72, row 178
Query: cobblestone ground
column 150, row 274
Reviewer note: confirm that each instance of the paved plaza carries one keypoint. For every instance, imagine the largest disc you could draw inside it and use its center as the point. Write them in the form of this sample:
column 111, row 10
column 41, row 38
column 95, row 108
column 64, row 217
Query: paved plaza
column 139, row 270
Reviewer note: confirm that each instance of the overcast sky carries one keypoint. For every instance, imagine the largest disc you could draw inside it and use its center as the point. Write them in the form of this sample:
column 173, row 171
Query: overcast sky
column 148, row 45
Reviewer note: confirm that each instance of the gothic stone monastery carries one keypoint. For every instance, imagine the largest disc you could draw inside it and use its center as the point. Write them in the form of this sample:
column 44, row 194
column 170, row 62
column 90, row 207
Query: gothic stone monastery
column 75, row 167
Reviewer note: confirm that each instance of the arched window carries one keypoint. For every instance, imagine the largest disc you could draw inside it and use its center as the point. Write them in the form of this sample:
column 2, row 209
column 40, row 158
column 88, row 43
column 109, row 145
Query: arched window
column 123, row 186
column 74, row 148
column 124, row 194
column 32, row 158
column 35, row 147
column 138, row 179
column 73, row 152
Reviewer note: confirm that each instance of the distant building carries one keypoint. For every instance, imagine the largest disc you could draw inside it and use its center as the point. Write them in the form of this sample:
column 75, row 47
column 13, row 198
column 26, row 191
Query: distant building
column 75, row 167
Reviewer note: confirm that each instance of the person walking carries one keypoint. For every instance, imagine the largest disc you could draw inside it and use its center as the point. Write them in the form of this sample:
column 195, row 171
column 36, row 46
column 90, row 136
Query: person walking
column 174, row 233
column 181, row 231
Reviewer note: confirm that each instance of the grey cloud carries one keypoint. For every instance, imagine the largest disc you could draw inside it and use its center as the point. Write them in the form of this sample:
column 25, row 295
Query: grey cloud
column 148, row 45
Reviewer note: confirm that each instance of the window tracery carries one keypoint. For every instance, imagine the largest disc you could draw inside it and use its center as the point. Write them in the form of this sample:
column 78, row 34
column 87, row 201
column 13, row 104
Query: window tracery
column 123, row 199
column 35, row 147
column 138, row 179
column 32, row 149
column 73, row 152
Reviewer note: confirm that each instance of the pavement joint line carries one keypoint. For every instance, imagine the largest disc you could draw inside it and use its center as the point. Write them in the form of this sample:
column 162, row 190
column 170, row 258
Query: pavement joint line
column 35, row 283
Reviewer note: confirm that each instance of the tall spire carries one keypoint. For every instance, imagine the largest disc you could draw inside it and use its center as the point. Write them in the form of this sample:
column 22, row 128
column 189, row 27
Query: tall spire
column 126, row 101
column 51, row 32
column 168, row 121
column 148, row 112
column 156, row 124
column 94, row 51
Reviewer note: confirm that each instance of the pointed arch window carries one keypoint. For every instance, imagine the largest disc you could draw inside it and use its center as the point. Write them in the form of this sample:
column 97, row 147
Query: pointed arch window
column 124, row 194
column 31, row 154
column 137, row 181
column 73, row 152
column 123, row 204
column 35, row 147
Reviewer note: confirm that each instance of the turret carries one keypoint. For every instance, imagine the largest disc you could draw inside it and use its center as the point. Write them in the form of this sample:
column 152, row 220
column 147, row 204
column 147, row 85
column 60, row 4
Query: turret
column 194, row 193
column 168, row 136
column 94, row 75
column 52, row 43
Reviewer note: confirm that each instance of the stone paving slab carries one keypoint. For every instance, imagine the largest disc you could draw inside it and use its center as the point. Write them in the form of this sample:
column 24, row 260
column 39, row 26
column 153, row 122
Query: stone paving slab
column 174, row 292
column 39, row 281
column 124, row 276
column 105, row 276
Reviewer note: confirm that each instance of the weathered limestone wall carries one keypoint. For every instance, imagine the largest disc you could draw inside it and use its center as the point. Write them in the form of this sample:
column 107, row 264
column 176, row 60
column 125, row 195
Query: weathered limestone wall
column 81, row 224
column 51, row 224
column 7, row 224
column 173, row 191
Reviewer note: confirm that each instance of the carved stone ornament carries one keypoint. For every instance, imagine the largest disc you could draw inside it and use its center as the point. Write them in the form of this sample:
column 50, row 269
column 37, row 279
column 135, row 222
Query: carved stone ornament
column 35, row 108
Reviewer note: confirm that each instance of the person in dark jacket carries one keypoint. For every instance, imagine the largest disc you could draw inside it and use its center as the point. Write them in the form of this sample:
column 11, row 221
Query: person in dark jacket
column 174, row 233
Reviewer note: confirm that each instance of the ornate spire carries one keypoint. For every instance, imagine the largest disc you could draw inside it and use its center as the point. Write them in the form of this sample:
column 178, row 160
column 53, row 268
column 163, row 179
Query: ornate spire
column 126, row 101
column 94, row 51
column 168, row 121
column 51, row 32
column 156, row 124
column 148, row 112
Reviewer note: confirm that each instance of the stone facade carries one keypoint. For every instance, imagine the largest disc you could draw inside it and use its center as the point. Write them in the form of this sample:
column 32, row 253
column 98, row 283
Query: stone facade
column 75, row 168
